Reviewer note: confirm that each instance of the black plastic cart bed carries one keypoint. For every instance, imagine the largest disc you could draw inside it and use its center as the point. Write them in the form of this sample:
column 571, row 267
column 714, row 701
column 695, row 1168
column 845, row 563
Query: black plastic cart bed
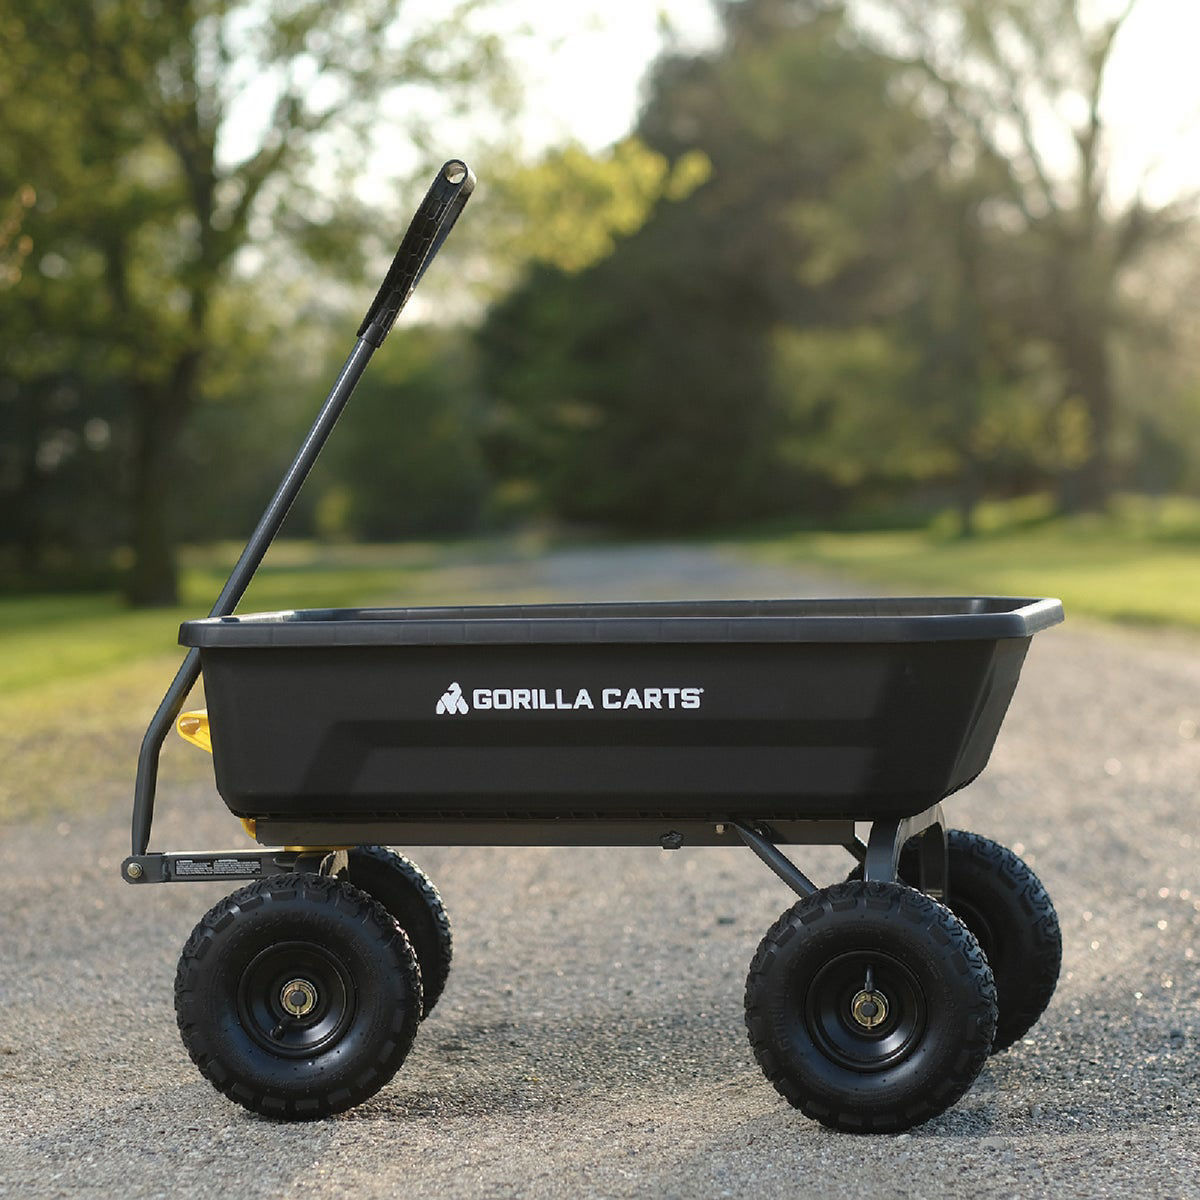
column 871, row 1005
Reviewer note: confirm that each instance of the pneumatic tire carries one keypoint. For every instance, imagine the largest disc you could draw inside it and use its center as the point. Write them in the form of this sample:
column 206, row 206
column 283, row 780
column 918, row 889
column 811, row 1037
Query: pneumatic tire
column 870, row 1007
column 409, row 895
column 1003, row 903
column 298, row 996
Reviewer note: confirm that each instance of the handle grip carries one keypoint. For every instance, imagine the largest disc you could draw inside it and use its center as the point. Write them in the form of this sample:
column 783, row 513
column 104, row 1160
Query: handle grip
column 446, row 198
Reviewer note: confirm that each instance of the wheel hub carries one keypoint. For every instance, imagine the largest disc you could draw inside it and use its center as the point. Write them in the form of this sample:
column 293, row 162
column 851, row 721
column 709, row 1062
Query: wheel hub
column 869, row 1008
column 865, row 1010
column 298, row 997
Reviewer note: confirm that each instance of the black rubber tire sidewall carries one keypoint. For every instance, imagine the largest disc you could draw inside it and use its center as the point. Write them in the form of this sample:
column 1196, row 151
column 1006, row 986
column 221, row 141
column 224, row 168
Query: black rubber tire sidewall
column 942, row 956
column 411, row 898
column 342, row 921
column 1023, row 940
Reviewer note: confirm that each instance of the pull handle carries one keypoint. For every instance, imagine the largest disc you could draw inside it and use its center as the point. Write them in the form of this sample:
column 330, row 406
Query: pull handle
column 429, row 228
column 426, row 233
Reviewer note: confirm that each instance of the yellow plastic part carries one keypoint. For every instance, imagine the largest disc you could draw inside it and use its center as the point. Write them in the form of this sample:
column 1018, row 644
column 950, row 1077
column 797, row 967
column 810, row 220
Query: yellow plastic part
column 193, row 727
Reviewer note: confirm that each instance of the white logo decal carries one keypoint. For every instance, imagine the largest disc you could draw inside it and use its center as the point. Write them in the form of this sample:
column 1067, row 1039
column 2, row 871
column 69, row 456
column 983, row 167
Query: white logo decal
column 452, row 701
column 573, row 700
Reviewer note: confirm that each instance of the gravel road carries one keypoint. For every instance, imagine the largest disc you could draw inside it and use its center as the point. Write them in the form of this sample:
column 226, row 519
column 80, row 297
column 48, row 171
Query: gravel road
column 590, row 1042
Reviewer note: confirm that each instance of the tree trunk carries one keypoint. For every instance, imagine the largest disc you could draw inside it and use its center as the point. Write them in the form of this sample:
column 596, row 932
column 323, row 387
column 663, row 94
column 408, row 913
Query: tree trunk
column 161, row 410
column 968, row 498
column 153, row 577
column 1088, row 487
column 24, row 504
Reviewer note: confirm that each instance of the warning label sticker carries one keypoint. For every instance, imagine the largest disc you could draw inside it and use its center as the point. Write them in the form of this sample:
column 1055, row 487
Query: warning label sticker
column 217, row 867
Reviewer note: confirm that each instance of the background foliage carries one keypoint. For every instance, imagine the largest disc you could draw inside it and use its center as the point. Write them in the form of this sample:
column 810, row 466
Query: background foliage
column 856, row 259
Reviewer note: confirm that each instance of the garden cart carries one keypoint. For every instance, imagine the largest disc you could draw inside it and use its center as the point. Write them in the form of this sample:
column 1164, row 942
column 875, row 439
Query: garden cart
column 871, row 1004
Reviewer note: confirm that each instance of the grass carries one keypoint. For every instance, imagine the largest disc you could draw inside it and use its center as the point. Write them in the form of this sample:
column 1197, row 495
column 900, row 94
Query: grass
column 1141, row 564
column 44, row 639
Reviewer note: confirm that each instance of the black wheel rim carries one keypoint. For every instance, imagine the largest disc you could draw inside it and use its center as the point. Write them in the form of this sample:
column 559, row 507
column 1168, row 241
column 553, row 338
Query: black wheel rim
column 296, row 999
column 829, row 1011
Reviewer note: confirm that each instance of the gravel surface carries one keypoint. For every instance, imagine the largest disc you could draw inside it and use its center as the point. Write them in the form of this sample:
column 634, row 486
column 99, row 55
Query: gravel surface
column 590, row 1041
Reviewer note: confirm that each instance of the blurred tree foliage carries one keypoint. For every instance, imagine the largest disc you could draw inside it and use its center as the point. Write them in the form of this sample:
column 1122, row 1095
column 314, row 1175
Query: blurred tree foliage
column 642, row 390
column 1017, row 88
column 118, row 115
column 885, row 286
column 570, row 208
column 408, row 462
column 859, row 253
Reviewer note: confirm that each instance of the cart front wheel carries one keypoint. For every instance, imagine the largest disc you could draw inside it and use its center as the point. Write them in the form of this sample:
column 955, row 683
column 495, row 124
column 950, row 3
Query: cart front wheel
column 870, row 1007
column 298, row 996
column 409, row 895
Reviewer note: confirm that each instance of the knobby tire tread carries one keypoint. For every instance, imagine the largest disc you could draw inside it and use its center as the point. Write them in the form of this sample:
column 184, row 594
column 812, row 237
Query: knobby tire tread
column 920, row 910
column 1041, row 961
column 365, row 910
column 435, row 951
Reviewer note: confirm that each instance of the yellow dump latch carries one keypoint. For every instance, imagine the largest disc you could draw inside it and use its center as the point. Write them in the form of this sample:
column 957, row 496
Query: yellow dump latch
column 193, row 727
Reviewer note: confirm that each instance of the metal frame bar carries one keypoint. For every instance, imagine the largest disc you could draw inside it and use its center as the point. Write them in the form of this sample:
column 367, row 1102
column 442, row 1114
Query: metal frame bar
column 760, row 842
column 888, row 838
column 239, row 579
column 205, row 866
column 434, row 219
column 315, row 843
column 666, row 832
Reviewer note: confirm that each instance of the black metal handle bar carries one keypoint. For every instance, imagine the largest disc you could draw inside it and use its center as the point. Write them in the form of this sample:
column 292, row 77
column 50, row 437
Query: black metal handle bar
column 428, row 230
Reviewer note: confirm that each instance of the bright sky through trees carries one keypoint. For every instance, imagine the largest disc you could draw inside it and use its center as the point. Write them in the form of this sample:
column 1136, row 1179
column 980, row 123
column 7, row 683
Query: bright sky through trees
column 583, row 62
column 581, row 65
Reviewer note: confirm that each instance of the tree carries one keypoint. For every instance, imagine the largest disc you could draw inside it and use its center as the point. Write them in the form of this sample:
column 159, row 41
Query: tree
column 409, row 463
column 642, row 390
column 907, row 271
column 162, row 140
column 1018, row 86
column 942, row 388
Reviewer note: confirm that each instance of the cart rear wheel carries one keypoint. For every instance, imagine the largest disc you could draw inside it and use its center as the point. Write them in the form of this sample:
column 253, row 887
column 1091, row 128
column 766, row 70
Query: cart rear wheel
column 409, row 895
column 870, row 1007
column 1002, row 902
column 298, row 996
